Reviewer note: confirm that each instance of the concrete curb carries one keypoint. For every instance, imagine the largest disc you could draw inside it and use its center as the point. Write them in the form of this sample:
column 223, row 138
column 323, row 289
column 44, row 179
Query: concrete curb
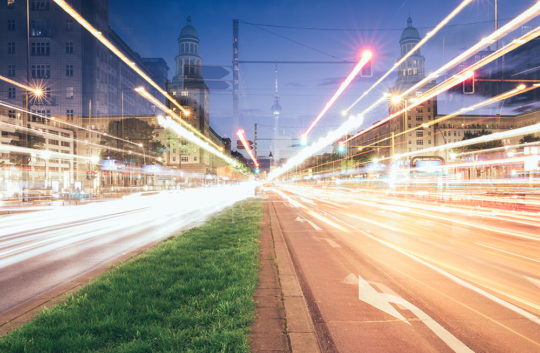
column 300, row 327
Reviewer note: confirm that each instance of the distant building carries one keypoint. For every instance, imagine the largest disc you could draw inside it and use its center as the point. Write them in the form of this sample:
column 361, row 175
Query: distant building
column 189, row 89
column 410, row 72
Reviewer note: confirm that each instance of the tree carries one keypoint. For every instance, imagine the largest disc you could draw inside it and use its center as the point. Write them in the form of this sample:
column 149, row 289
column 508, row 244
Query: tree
column 34, row 142
column 137, row 132
column 479, row 146
column 529, row 138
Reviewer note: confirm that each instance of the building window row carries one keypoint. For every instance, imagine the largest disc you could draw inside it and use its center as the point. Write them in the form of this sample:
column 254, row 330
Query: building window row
column 40, row 49
column 41, row 71
column 39, row 5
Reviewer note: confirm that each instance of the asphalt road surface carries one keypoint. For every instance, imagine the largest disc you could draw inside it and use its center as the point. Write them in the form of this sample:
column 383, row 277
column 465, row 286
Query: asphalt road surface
column 42, row 250
column 389, row 274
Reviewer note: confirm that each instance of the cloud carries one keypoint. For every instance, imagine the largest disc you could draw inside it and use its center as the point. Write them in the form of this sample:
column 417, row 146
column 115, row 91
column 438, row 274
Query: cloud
column 295, row 84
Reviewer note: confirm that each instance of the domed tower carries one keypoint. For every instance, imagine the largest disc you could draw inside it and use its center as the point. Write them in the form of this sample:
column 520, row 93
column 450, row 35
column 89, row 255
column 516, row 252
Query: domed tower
column 412, row 69
column 188, row 61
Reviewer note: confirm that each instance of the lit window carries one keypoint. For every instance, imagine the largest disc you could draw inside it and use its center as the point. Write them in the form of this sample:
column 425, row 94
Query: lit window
column 69, row 93
column 11, row 4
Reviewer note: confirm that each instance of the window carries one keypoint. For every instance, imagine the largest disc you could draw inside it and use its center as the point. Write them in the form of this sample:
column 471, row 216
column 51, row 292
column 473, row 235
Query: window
column 419, row 133
column 11, row 48
column 11, row 25
column 174, row 159
column 419, row 118
column 53, row 142
column 41, row 71
column 11, row 114
column 5, row 133
column 429, row 142
column 11, row 71
column 39, row 28
column 11, row 93
column 39, row 5
column 69, row 113
column 419, row 142
column 194, row 159
column 69, row 25
column 64, row 144
column 40, row 49
column 65, row 134
column 69, row 70
column 10, row 4
column 419, row 109
column 184, row 158
column 69, row 93
column 69, row 47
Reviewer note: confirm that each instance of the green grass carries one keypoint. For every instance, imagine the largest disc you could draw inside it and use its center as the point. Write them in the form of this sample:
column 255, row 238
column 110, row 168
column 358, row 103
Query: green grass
column 192, row 293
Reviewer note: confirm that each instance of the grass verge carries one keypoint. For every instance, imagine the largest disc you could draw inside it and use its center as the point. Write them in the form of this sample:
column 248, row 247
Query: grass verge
column 192, row 293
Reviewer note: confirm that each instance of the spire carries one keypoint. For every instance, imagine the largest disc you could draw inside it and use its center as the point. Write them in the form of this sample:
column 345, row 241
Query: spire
column 409, row 21
column 276, row 108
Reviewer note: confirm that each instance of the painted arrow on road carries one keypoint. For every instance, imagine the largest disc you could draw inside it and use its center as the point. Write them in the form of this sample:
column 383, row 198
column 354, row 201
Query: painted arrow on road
column 302, row 220
column 383, row 301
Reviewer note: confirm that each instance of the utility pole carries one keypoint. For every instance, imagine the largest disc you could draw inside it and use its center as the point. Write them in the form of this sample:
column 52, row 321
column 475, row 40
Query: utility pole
column 255, row 141
column 236, row 84
column 26, row 103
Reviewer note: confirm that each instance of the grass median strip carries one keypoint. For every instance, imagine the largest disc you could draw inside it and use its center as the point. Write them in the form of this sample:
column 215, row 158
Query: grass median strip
column 192, row 293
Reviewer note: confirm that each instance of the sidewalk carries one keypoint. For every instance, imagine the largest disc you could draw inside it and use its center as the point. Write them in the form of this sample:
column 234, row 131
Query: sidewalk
column 283, row 322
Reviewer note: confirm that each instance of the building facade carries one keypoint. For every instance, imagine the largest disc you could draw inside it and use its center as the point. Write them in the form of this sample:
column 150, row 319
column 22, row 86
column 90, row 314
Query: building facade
column 80, row 76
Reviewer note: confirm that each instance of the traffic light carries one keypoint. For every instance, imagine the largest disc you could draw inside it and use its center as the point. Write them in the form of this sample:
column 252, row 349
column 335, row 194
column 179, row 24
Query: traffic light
column 468, row 85
column 366, row 70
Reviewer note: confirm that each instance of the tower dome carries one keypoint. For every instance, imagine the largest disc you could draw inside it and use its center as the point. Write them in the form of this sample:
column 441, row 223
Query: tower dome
column 189, row 32
column 409, row 33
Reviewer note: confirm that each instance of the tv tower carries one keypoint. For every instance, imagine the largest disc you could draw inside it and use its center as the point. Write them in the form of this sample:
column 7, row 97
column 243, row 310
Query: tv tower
column 276, row 110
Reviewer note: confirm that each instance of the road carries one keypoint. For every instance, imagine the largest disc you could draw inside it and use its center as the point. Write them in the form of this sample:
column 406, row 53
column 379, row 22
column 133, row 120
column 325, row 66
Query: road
column 43, row 249
column 394, row 274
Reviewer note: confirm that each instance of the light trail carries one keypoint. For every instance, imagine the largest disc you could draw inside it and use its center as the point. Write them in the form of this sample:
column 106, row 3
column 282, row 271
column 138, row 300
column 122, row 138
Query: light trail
column 428, row 36
column 144, row 93
column 485, row 138
column 242, row 136
column 366, row 56
column 168, row 123
column 72, row 139
column 66, row 7
column 461, row 76
column 38, row 92
column 59, row 121
column 82, row 21
column 520, row 89
column 355, row 120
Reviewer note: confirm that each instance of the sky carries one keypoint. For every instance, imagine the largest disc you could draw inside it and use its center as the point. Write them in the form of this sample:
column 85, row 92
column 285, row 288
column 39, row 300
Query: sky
column 323, row 31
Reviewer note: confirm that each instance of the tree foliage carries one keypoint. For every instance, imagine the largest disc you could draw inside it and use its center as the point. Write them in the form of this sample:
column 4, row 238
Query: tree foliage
column 34, row 142
column 479, row 146
column 131, row 129
column 529, row 138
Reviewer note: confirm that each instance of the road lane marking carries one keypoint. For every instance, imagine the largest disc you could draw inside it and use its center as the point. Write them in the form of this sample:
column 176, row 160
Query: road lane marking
column 534, row 281
column 382, row 301
column 455, row 279
column 507, row 252
column 302, row 220
column 326, row 220
column 332, row 243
